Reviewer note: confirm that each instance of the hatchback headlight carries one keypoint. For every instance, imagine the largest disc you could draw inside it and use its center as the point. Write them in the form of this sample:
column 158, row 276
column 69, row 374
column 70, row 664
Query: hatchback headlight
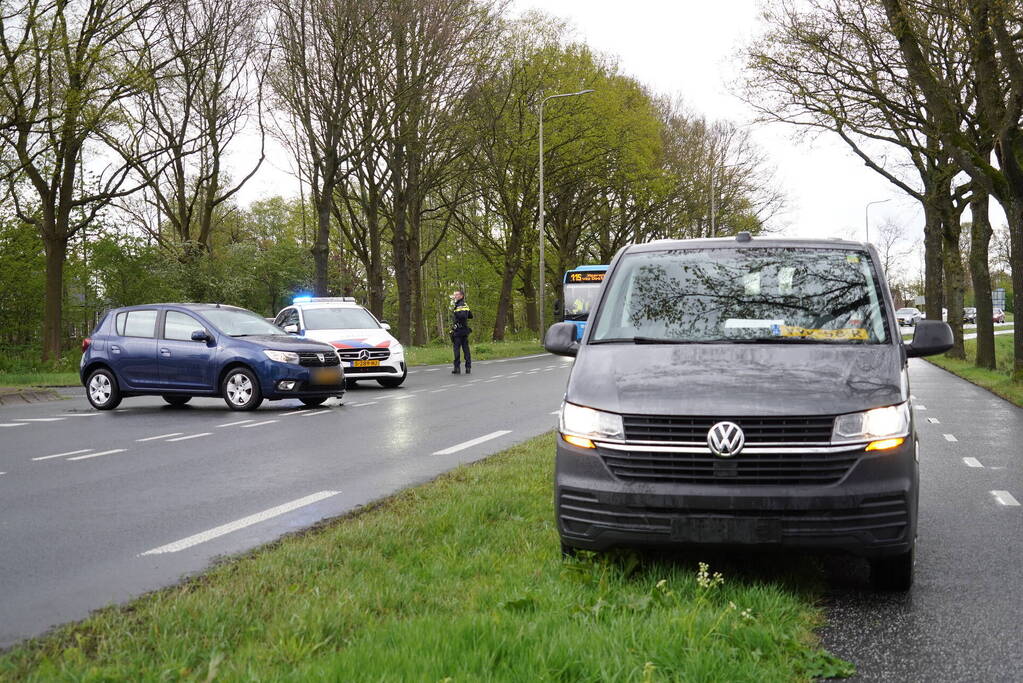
column 282, row 356
column 587, row 423
column 884, row 427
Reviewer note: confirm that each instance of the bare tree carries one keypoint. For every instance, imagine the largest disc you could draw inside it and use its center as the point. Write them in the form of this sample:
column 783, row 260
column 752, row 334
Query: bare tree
column 322, row 48
column 183, row 126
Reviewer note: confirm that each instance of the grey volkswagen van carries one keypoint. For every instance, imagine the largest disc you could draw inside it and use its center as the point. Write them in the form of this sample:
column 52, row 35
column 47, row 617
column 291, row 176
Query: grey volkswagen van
column 743, row 392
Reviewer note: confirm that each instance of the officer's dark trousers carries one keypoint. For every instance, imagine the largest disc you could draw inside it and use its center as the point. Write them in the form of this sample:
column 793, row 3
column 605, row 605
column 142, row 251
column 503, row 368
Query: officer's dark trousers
column 461, row 343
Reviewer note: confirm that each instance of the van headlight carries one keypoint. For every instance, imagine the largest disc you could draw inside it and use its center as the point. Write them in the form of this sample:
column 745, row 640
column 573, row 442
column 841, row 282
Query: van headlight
column 884, row 428
column 282, row 356
column 579, row 425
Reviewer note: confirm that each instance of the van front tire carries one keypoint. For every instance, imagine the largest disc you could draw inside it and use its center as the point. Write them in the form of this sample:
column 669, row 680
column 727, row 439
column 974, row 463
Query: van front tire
column 893, row 573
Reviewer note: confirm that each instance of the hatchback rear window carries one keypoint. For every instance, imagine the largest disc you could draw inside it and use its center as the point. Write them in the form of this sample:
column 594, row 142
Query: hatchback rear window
column 775, row 295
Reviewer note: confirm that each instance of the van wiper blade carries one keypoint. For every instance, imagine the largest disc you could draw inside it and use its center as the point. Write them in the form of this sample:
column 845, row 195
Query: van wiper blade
column 661, row 340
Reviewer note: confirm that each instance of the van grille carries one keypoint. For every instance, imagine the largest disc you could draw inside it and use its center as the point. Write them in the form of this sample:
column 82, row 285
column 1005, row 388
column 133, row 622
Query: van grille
column 758, row 430
column 760, row 469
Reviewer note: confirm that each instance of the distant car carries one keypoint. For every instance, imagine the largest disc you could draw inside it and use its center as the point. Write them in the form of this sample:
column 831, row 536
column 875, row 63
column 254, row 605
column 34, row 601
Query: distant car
column 998, row 315
column 908, row 317
column 178, row 351
column 970, row 315
column 366, row 348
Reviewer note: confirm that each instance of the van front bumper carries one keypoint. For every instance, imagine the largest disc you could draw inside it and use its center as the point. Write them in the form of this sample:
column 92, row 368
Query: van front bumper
column 871, row 511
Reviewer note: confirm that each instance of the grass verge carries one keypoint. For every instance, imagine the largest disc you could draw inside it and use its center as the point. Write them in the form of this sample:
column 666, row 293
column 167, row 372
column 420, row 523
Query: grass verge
column 997, row 381
column 435, row 354
column 458, row 580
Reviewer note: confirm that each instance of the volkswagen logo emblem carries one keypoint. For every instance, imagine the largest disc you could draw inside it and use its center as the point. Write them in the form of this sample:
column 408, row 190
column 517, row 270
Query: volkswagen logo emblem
column 320, row 356
column 725, row 439
column 364, row 355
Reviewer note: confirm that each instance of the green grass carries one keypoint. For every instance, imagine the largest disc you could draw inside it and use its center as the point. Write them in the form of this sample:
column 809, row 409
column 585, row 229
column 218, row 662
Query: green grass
column 441, row 353
column 460, row 579
column 25, row 372
column 997, row 381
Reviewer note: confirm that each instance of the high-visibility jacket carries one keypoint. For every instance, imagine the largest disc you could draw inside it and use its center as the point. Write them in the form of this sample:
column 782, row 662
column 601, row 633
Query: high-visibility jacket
column 460, row 316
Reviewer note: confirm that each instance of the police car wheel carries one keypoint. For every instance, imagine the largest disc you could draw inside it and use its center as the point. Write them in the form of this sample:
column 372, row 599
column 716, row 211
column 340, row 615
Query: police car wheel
column 392, row 382
column 350, row 383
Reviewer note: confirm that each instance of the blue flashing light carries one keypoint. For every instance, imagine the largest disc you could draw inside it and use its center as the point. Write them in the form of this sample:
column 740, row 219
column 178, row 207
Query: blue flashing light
column 302, row 299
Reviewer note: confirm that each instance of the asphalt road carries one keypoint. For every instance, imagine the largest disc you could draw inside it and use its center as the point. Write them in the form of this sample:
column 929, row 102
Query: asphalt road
column 100, row 507
column 963, row 620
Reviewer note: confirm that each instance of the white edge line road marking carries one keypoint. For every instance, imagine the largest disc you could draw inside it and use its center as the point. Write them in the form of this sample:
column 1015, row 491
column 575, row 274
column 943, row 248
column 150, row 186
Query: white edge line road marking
column 293, row 412
column 96, row 455
column 61, row 455
column 555, row 412
column 258, row 424
column 317, row 412
column 223, row 529
column 933, row 420
column 162, row 436
column 950, row 437
column 473, row 442
column 13, row 424
column 919, row 407
column 1005, row 498
column 190, row 436
column 232, row 424
column 82, row 415
column 972, row 462
column 38, row 419
column 359, row 405
column 447, row 386
column 438, row 391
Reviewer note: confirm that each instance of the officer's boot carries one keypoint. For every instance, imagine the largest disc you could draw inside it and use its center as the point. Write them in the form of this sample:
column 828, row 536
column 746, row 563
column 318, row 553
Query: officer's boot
column 456, row 371
column 468, row 370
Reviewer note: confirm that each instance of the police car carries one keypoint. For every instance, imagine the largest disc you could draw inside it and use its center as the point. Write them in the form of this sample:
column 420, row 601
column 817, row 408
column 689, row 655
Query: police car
column 367, row 349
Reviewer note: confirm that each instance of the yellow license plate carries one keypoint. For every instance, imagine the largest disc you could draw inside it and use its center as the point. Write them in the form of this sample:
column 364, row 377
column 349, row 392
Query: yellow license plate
column 327, row 376
column 365, row 363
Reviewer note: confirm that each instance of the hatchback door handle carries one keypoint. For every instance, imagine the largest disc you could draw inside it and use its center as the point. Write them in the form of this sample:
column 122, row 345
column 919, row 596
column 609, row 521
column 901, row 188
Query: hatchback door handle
column 115, row 348
column 165, row 352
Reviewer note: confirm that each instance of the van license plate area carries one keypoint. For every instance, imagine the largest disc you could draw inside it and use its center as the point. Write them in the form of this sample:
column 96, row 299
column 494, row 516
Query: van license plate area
column 725, row 530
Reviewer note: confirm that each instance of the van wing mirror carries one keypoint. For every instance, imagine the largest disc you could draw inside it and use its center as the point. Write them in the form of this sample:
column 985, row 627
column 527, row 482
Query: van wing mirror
column 560, row 339
column 929, row 338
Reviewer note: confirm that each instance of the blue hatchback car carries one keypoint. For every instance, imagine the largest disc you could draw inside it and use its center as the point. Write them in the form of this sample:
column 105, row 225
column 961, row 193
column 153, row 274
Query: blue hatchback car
column 178, row 351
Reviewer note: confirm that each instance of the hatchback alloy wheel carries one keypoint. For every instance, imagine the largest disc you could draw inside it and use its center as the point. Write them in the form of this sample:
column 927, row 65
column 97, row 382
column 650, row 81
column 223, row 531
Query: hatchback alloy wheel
column 103, row 392
column 241, row 390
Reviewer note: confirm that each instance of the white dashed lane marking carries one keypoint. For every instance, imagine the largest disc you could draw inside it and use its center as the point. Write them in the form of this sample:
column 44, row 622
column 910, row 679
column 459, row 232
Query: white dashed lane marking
column 190, row 436
column 472, row 442
column 950, row 437
column 933, row 420
column 258, row 424
column 294, row 412
column 972, row 462
column 359, row 405
column 38, row 419
column 920, row 407
column 13, row 424
column 1005, row 498
column 162, row 436
column 96, row 455
column 223, row 529
column 317, row 412
column 232, row 424
column 61, row 455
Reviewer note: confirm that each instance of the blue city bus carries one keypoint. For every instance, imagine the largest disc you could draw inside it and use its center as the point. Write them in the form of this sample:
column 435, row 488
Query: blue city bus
column 581, row 287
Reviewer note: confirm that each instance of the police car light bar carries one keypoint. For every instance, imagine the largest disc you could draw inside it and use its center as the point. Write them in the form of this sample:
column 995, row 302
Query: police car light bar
column 322, row 299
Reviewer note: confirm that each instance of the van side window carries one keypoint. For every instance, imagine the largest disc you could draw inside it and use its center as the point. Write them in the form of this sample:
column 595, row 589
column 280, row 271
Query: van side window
column 139, row 324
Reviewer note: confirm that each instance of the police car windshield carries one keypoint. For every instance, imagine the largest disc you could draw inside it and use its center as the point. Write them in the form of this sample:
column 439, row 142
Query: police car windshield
column 339, row 319
column 237, row 323
column 775, row 295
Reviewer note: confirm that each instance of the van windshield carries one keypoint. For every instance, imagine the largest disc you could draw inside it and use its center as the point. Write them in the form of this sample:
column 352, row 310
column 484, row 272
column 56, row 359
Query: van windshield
column 768, row 295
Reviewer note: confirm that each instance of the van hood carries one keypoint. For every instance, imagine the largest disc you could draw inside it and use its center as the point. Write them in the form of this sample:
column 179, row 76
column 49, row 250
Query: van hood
column 737, row 379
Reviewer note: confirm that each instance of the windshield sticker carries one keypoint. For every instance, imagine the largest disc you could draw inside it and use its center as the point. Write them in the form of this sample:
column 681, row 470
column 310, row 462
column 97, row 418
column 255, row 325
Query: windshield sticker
column 843, row 334
column 751, row 324
column 852, row 258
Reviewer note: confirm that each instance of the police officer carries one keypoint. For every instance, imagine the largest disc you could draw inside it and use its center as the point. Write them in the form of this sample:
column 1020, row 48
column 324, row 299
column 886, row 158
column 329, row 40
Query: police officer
column 460, row 315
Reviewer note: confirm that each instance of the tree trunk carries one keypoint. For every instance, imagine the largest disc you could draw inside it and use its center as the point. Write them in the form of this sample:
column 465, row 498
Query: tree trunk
column 507, row 281
column 1014, row 214
column 375, row 268
column 56, row 253
column 952, row 260
column 934, row 297
column 529, row 295
column 321, row 245
column 980, row 274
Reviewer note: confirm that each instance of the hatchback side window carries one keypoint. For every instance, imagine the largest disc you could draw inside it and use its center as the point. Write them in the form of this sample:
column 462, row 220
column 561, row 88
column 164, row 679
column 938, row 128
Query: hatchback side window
column 140, row 324
column 121, row 318
column 180, row 326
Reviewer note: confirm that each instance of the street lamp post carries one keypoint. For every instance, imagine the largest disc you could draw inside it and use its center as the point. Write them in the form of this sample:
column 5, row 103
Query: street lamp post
column 542, row 233
column 866, row 216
